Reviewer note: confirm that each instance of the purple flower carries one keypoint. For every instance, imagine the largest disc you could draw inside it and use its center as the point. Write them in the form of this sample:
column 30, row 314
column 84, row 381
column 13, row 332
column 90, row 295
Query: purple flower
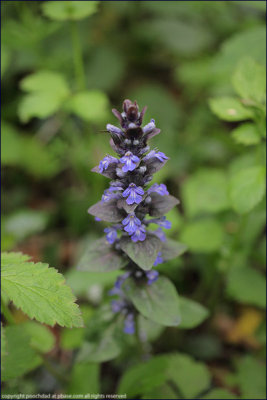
column 103, row 165
column 149, row 127
column 129, row 160
column 160, row 234
column 160, row 189
column 129, row 324
column 131, row 223
column 97, row 219
column 114, row 129
column 152, row 276
column 133, row 193
column 162, row 222
column 111, row 234
column 156, row 154
column 159, row 259
column 117, row 305
column 139, row 234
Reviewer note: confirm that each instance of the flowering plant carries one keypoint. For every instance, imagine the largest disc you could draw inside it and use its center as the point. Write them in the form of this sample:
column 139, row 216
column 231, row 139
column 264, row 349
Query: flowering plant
column 129, row 243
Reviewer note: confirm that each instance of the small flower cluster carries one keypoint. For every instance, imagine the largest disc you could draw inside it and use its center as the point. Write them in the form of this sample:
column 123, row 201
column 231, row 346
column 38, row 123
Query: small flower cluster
column 128, row 200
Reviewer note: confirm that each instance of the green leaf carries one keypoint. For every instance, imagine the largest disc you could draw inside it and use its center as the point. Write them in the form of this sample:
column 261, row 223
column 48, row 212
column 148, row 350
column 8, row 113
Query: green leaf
column 220, row 394
column 69, row 10
column 20, row 357
column 246, row 134
column 3, row 345
column 204, row 235
column 5, row 59
column 100, row 256
column 158, row 302
column 247, row 188
column 73, row 338
column 206, row 191
column 143, row 253
column 25, row 223
column 246, row 285
column 42, row 339
column 161, row 392
column 193, row 313
column 172, row 249
column 91, row 106
column 230, row 109
column 249, row 80
column 251, row 376
column 47, row 92
column 39, row 291
column 84, row 379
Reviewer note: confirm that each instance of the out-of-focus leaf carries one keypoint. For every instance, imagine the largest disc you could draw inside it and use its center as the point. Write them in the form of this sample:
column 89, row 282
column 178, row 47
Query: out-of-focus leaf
column 220, row 394
column 172, row 249
column 249, row 80
column 25, row 223
column 158, row 302
column 246, row 285
column 73, row 338
column 10, row 145
column 247, row 188
column 251, row 376
column 149, row 329
column 204, row 235
column 20, row 357
column 143, row 253
column 84, row 379
column 206, row 191
column 101, row 257
column 3, row 345
column 91, row 106
column 230, row 109
column 42, row 339
column 39, row 291
column 5, row 59
column 69, row 10
column 193, row 313
column 246, row 134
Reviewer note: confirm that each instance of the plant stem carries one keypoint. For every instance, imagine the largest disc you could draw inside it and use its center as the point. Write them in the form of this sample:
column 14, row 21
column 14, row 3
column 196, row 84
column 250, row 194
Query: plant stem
column 77, row 56
column 7, row 314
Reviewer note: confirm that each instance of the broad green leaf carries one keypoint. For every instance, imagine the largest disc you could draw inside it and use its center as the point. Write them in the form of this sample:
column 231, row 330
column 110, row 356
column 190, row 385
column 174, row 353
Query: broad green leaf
column 5, row 59
column 246, row 134
column 247, row 188
column 20, row 357
column 251, row 376
column 172, row 249
column 161, row 392
column 10, row 145
column 46, row 82
column 39, row 105
column 158, row 302
column 100, row 256
column 230, row 109
column 204, row 235
column 41, row 338
column 91, row 106
column 39, row 291
column 25, row 223
column 84, row 379
column 249, row 80
column 69, row 10
column 149, row 329
column 246, row 285
column 143, row 253
column 220, row 394
column 206, row 191
column 192, row 313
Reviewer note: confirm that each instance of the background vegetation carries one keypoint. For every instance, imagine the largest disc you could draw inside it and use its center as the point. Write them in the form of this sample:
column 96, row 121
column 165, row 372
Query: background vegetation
column 200, row 69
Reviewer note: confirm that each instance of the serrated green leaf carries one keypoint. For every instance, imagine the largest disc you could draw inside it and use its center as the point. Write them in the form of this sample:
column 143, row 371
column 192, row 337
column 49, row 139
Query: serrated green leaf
column 39, row 291
column 246, row 134
column 251, row 376
column 206, row 191
column 230, row 109
column 247, row 285
column 69, row 10
column 192, row 313
column 247, row 188
column 204, row 235
column 220, row 394
column 158, row 301
column 143, row 253
column 84, row 379
column 91, row 106
column 171, row 249
column 20, row 357
column 249, row 80
column 100, row 256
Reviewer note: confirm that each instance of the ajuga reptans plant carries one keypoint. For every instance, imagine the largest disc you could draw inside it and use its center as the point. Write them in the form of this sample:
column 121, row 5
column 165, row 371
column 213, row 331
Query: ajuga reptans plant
column 135, row 241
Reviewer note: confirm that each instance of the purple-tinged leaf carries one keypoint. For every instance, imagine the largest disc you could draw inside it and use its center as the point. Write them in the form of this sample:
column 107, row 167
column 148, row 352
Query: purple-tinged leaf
column 154, row 165
column 129, row 208
column 110, row 172
column 160, row 205
column 101, row 257
column 143, row 253
column 107, row 211
column 172, row 249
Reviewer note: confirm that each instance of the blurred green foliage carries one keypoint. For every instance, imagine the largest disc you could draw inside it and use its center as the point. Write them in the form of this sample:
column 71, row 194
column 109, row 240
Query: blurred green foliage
column 199, row 66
